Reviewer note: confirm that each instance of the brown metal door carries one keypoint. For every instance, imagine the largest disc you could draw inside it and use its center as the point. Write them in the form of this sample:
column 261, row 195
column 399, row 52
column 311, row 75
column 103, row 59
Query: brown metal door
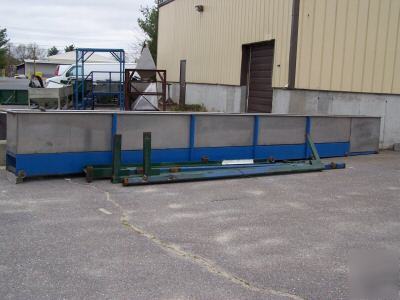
column 259, row 99
column 182, row 83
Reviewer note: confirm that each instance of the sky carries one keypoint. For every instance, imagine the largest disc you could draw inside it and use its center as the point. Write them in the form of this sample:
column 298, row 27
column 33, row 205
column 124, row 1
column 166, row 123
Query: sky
column 84, row 23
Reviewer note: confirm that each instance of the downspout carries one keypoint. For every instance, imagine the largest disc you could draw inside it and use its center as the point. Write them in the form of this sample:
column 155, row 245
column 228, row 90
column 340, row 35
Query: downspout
column 293, row 44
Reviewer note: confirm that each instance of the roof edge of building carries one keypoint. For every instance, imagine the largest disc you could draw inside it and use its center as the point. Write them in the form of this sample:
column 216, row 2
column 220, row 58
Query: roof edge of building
column 164, row 2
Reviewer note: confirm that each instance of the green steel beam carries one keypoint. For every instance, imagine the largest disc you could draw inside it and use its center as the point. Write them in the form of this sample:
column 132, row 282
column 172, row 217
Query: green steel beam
column 146, row 173
column 239, row 172
column 116, row 158
column 314, row 151
column 147, row 154
column 105, row 171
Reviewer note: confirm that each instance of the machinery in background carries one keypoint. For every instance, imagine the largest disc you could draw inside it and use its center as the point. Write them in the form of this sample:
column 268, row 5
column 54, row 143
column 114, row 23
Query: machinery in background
column 85, row 97
column 145, row 89
column 13, row 91
column 145, row 86
column 50, row 98
column 83, row 85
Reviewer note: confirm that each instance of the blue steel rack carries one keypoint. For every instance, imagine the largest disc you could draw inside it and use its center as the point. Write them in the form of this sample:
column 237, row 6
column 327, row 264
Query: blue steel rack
column 80, row 97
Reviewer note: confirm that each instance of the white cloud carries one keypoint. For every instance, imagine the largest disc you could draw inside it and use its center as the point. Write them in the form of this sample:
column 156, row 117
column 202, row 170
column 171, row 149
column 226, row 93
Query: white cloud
column 85, row 23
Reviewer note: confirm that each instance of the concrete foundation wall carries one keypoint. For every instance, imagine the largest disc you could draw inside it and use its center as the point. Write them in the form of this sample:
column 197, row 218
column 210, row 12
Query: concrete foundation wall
column 215, row 98
column 339, row 103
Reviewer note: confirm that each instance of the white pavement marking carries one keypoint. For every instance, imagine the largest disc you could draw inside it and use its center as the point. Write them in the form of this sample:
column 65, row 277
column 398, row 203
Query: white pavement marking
column 105, row 211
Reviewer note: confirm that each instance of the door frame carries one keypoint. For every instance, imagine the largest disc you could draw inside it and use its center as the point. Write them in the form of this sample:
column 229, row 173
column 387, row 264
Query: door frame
column 245, row 69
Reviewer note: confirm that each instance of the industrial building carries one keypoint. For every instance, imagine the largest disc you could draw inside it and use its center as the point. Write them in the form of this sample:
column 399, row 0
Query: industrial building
column 285, row 56
column 46, row 67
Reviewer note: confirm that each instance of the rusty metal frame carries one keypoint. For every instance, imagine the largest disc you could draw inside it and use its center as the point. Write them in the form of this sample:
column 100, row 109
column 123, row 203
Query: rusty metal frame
column 132, row 93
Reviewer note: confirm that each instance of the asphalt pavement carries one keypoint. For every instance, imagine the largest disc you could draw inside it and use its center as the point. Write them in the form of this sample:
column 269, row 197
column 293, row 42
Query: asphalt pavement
column 279, row 237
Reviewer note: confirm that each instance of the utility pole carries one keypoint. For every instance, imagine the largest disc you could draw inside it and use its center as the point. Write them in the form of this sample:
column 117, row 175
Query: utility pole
column 34, row 60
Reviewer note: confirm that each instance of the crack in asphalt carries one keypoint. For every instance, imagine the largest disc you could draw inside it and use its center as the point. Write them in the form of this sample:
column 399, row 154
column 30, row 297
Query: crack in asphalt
column 177, row 251
column 199, row 260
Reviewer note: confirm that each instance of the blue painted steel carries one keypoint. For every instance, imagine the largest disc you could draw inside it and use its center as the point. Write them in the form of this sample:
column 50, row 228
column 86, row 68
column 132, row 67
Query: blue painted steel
column 114, row 125
column 80, row 101
column 157, row 156
column 255, row 134
column 308, row 133
column 91, row 96
column 122, row 80
column 101, row 49
column 73, row 163
column 223, row 153
column 114, row 128
column 333, row 149
column 280, row 152
column 82, row 82
column 336, row 166
column 363, row 153
column 76, row 89
column 59, row 163
column 11, row 162
column 192, row 136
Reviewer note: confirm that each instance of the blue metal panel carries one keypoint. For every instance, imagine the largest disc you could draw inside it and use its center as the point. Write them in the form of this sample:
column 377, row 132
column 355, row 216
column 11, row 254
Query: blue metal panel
column 73, row 163
column 223, row 153
column 308, row 133
column 59, row 163
column 333, row 149
column 280, row 152
column 11, row 162
column 114, row 125
column 336, row 166
column 157, row 156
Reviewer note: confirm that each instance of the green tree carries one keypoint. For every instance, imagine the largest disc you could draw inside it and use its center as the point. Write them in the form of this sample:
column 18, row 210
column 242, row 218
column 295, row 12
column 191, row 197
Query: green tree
column 52, row 51
column 3, row 47
column 69, row 48
column 149, row 24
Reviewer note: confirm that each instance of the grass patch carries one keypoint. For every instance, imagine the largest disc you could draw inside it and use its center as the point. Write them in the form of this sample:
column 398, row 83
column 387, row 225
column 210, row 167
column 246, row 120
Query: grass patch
column 188, row 107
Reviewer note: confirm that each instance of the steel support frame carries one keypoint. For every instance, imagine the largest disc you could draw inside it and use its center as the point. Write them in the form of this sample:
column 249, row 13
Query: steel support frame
column 132, row 93
column 82, row 55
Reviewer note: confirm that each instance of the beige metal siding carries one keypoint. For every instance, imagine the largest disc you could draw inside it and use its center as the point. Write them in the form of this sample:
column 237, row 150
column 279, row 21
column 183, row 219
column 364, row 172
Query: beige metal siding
column 211, row 41
column 349, row 45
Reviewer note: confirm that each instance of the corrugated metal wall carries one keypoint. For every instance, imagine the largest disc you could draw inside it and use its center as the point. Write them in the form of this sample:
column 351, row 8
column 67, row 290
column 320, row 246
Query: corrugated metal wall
column 349, row 45
column 211, row 41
